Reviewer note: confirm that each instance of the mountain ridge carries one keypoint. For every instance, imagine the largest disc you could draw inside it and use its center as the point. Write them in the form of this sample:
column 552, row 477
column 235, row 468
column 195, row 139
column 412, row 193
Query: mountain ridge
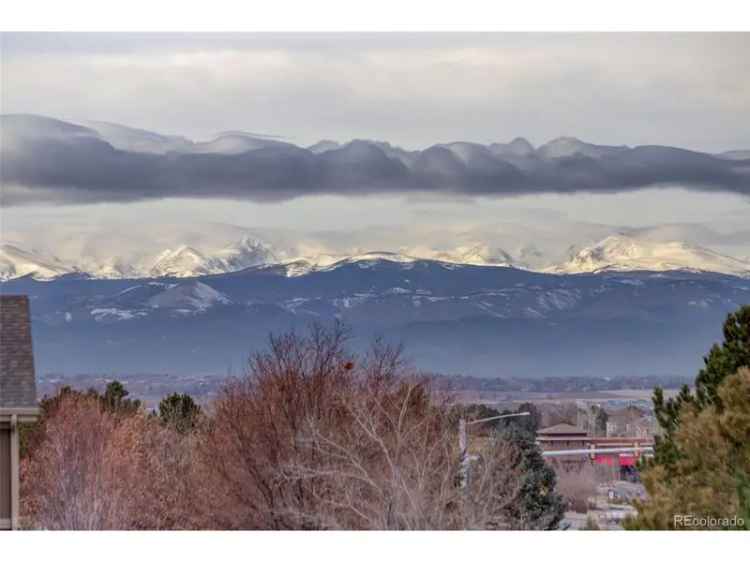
column 483, row 320
column 616, row 252
column 624, row 253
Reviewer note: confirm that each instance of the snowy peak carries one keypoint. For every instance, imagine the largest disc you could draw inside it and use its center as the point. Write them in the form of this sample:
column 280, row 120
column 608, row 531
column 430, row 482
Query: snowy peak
column 368, row 260
column 188, row 297
column 112, row 267
column 182, row 262
column 622, row 253
column 247, row 252
column 187, row 261
column 465, row 255
column 15, row 262
column 480, row 254
column 379, row 256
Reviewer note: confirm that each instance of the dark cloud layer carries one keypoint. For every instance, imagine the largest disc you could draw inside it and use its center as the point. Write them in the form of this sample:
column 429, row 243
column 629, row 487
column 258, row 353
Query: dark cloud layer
column 45, row 160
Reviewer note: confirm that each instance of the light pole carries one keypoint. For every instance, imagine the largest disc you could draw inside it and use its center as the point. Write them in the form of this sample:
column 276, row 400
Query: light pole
column 463, row 446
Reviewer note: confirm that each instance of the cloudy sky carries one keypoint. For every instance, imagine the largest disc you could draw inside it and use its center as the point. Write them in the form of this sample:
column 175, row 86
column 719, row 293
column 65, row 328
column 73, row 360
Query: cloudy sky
column 413, row 90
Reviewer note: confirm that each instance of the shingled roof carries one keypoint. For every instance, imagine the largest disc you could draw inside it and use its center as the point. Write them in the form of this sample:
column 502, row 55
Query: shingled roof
column 562, row 429
column 17, row 380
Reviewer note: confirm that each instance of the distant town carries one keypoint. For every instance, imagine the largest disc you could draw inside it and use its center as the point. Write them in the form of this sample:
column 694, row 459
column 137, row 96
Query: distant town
column 150, row 388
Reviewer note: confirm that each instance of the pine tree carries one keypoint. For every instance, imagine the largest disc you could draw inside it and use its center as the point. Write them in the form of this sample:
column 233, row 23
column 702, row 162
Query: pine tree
column 678, row 477
column 722, row 361
column 179, row 411
column 726, row 359
column 115, row 399
column 540, row 506
column 710, row 477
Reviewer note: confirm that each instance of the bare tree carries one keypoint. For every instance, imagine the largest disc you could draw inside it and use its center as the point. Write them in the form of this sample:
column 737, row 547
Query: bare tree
column 577, row 483
column 95, row 469
column 312, row 437
column 315, row 438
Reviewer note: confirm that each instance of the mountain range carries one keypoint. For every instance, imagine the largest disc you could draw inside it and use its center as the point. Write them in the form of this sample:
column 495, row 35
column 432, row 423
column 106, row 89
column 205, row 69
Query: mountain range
column 452, row 318
column 614, row 253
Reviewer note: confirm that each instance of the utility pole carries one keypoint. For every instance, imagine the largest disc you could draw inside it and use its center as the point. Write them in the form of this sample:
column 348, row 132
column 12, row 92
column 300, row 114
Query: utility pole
column 463, row 443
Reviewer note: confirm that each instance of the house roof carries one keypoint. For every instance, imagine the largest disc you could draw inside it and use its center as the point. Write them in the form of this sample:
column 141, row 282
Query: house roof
column 17, row 379
column 562, row 429
column 626, row 414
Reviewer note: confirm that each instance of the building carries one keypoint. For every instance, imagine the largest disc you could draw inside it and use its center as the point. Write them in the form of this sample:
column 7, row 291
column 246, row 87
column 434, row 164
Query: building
column 17, row 399
column 562, row 436
column 628, row 422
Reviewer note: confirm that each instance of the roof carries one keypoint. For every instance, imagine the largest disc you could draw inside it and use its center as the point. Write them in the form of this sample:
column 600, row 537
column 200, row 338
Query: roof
column 17, row 380
column 628, row 413
column 562, row 429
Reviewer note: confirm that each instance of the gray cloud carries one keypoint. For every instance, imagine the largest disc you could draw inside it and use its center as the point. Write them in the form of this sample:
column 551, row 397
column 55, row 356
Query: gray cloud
column 46, row 160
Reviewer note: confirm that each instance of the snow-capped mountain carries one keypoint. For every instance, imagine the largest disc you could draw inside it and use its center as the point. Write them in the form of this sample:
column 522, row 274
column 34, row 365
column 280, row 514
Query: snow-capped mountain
column 614, row 253
column 488, row 321
column 182, row 262
column 245, row 253
column 479, row 254
column 190, row 297
column 15, row 262
column 369, row 257
column 114, row 267
column 186, row 261
column 175, row 300
column 624, row 253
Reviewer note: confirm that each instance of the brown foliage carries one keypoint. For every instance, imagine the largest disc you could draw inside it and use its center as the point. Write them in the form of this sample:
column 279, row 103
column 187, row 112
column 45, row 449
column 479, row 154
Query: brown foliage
column 577, row 484
column 313, row 438
column 95, row 469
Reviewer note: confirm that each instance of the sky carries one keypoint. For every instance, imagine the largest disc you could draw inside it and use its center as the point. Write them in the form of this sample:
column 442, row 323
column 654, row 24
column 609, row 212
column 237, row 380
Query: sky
column 412, row 90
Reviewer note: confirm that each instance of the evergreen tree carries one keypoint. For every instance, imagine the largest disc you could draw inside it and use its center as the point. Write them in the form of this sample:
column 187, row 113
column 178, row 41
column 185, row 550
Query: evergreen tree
column 115, row 399
column 541, row 507
column 600, row 421
column 684, row 470
column 533, row 421
column 722, row 361
column 711, row 482
column 179, row 411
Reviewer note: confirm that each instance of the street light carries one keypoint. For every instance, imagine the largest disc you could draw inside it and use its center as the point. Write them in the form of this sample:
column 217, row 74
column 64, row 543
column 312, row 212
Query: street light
column 463, row 442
